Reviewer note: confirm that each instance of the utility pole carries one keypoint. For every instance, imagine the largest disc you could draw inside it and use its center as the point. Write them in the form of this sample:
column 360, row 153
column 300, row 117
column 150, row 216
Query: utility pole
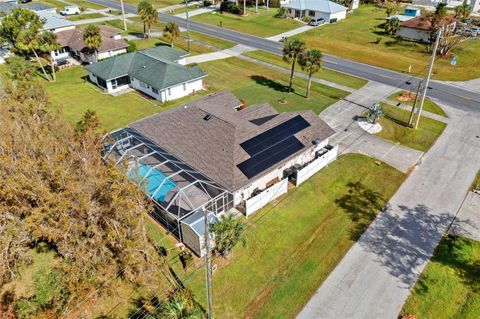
column 123, row 16
column 188, row 26
column 412, row 112
column 208, row 265
column 429, row 74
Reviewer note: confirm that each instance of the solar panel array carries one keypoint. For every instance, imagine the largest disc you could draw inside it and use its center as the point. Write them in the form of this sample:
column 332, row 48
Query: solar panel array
column 272, row 146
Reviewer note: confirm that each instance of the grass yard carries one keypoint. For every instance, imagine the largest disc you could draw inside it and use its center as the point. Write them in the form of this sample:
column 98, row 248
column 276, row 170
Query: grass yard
column 258, row 84
column 292, row 246
column 355, row 38
column 53, row 3
column 325, row 74
column 428, row 105
column 76, row 95
column 263, row 24
column 86, row 4
column 476, row 182
column 449, row 287
column 94, row 15
column 395, row 129
column 179, row 44
column 206, row 39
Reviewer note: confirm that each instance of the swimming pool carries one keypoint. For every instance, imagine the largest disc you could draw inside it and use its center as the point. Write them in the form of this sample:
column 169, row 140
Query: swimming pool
column 154, row 179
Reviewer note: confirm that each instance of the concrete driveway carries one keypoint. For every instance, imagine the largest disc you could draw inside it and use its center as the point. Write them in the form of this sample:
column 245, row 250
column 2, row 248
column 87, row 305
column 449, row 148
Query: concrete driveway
column 375, row 277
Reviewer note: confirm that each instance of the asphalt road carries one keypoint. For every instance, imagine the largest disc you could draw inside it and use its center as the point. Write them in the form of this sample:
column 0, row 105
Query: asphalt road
column 446, row 93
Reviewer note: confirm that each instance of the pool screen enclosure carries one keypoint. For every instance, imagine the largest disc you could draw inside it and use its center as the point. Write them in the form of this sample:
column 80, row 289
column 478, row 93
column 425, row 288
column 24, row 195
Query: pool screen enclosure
column 175, row 189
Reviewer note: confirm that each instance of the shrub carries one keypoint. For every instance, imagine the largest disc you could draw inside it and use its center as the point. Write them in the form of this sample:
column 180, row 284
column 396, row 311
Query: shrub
column 132, row 47
column 280, row 13
column 230, row 7
column 306, row 19
column 207, row 3
column 274, row 4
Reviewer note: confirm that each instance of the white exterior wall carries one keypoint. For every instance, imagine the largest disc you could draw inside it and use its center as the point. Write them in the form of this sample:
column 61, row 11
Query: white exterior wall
column 255, row 203
column 109, row 54
column 319, row 14
column 62, row 29
column 60, row 54
column 339, row 15
column 277, row 172
column 414, row 34
column 355, row 4
column 176, row 92
column 182, row 61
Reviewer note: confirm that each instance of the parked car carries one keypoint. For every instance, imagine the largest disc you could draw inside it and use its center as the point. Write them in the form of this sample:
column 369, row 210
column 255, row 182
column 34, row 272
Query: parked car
column 315, row 22
column 70, row 10
column 25, row 1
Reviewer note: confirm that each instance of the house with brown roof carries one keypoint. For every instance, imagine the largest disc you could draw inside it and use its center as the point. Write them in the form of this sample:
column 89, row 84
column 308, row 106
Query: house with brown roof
column 420, row 28
column 73, row 45
column 235, row 156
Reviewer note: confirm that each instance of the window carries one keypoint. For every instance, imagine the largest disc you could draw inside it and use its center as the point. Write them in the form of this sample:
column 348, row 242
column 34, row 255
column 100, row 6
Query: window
column 169, row 92
column 154, row 90
column 184, row 86
column 143, row 85
column 102, row 83
column 311, row 13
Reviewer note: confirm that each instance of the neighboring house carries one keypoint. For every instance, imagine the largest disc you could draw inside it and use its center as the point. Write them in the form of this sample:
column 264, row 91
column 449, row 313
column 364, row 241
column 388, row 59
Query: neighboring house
column 354, row 5
column 158, row 72
column 409, row 13
column 53, row 21
column 212, row 153
column 328, row 10
column 73, row 45
column 420, row 29
column 474, row 4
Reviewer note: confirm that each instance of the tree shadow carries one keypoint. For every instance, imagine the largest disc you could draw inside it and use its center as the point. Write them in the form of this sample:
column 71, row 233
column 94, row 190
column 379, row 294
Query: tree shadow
column 404, row 238
column 264, row 81
column 362, row 206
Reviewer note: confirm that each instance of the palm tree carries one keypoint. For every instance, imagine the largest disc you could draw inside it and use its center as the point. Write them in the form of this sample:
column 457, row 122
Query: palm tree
column 392, row 25
column 151, row 17
column 463, row 11
column 92, row 39
column 49, row 44
column 291, row 52
column 142, row 9
column 311, row 61
column 228, row 233
column 171, row 32
column 375, row 113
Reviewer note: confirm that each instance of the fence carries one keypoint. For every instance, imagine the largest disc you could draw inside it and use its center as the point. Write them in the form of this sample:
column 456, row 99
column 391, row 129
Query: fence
column 255, row 203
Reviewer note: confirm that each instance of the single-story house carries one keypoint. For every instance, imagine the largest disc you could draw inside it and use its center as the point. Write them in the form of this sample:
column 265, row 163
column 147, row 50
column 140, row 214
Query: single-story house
column 328, row 10
column 158, row 72
column 236, row 156
column 409, row 13
column 53, row 21
column 73, row 45
column 420, row 29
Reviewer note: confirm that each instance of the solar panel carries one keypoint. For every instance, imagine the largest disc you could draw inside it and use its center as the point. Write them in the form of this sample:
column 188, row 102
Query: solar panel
column 270, row 157
column 275, row 135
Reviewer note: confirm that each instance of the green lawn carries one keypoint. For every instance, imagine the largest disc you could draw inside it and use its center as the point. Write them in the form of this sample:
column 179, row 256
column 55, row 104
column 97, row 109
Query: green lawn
column 476, row 182
column 76, row 95
column 53, row 3
column 262, row 24
column 216, row 42
column 325, row 74
column 179, row 44
column 258, row 84
column 354, row 38
column 293, row 246
column 395, row 130
column 428, row 105
column 449, row 287
column 94, row 15
column 86, row 4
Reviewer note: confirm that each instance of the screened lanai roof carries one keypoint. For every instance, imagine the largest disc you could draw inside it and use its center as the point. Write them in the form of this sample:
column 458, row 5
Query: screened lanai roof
column 168, row 182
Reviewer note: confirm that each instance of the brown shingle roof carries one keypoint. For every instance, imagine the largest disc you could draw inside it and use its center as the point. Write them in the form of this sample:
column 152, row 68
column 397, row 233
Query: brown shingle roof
column 421, row 23
column 74, row 39
column 213, row 146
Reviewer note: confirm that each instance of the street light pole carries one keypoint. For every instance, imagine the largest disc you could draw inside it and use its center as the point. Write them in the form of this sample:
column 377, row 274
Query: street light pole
column 123, row 16
column 429, row 74
column 188, row 26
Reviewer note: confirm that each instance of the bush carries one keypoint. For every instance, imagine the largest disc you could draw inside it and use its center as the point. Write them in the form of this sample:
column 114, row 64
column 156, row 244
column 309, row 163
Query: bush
column 306, row 19
column 230, row 7
column 274, row 4
column 132, row 47
column 280, row 13
column 207, row 3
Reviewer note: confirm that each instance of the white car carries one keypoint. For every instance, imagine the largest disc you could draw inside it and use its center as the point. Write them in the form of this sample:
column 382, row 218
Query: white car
column 70, row 10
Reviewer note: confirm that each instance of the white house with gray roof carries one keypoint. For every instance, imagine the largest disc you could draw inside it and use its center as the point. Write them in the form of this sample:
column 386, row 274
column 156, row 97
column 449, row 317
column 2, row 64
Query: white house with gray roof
column 318, row 9
column 158, row 72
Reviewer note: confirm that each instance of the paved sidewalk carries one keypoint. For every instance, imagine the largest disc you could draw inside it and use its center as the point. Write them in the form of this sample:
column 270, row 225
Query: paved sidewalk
column 467, row 222
column 197, row 12
column 375, row 277
column 219, row 55
column 291, row 33
column 350, row 137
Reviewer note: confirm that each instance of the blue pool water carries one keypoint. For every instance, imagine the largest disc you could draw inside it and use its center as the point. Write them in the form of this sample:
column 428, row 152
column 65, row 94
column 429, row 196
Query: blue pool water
column 154, row 179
